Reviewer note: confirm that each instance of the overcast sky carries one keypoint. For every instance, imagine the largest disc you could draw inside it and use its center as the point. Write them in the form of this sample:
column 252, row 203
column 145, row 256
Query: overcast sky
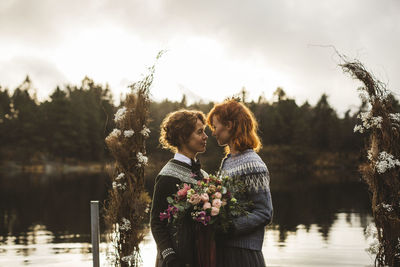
column 214, row 48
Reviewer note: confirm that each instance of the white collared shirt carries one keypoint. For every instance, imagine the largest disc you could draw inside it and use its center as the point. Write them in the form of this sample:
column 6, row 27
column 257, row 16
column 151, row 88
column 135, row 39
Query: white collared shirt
column 183, row 158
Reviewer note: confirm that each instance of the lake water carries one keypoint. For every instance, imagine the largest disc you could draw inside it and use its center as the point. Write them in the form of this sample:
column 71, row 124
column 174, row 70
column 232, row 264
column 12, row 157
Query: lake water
column 45, row 221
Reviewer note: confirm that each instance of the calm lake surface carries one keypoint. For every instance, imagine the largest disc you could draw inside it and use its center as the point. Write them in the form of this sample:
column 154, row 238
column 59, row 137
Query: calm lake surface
column 45, row 221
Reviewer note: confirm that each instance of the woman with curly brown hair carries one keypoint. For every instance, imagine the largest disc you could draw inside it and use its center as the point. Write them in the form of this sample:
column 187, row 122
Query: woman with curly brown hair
column 183, row 132
column 235, row 127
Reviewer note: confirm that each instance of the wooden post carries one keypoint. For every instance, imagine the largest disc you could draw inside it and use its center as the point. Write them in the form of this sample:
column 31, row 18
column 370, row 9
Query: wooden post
column 94, row 214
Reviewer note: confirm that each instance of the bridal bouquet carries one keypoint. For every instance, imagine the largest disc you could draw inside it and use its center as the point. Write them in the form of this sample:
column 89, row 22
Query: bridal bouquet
column 213, row 200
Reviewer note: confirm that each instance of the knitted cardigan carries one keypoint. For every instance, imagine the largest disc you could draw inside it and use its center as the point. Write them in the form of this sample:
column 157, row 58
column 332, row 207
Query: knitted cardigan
column 168, row 239
column 250, row 228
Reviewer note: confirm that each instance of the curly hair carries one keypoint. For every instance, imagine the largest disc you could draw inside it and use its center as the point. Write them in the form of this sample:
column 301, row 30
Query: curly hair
column 177, row 127
column 244, row 124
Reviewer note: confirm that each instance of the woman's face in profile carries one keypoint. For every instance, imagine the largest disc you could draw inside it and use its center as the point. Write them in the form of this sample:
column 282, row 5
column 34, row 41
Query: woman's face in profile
column 221, row 132
column 198, row 139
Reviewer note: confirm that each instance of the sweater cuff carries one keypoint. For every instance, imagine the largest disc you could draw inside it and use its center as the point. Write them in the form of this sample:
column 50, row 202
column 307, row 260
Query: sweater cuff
column 166, row 252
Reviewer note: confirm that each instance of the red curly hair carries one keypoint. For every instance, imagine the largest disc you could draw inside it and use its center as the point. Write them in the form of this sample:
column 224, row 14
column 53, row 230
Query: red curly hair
column 244, row 124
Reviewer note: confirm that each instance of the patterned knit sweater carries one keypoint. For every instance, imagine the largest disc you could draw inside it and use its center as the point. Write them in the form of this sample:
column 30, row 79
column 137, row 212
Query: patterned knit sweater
column 249, row 229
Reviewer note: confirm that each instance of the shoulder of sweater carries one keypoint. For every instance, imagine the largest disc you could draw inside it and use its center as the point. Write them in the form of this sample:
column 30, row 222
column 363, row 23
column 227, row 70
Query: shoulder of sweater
column 179, row 171
column 167, row 179
column 249, row 161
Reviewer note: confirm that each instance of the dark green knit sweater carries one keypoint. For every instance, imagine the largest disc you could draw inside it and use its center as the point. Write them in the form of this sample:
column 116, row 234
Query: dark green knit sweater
column 178, row 240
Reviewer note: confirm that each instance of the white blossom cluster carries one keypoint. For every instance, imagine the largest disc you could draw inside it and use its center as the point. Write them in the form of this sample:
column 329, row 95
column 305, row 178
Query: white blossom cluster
column 142, row 159
column 128, row 259
column 397, row 255
column 384, row 94
column 120, row 176
column 117, row 183
column 368, row 122
column 369, row 155
column 115, row 133
column 120, row 114
column 128, row 133
column 145, row 131
column 386, row 161
column 387, row 207
column 395, row 117
column 372, row 233
column 119, row 186
column 126, row 225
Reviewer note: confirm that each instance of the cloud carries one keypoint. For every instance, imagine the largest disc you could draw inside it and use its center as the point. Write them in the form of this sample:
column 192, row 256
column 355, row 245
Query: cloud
column 278, row 35
column 44, row 74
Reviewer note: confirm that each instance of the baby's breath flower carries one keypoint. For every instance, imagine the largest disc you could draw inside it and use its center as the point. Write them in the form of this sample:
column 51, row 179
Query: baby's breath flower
column 114, row 134
column 397, row 255
column 370, row 156
column 358, row 128
column 128, row 133
column 145, row 131
column 386, row 161
column 368, row 121
column 120, row 176
column 387, row 207
column 120, row 114
column 395, row 117
column 142, row 160
column 128, row 259
column 126, row 225
column 119, row 186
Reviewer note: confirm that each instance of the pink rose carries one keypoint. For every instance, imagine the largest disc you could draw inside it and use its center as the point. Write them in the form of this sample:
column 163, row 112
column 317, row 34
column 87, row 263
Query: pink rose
column 207, row 205
column 217, row 203
column 218, row 195
column 194, row 199
column 182, row 192
column 186, row 186
column 214, row 211
column 204, row 197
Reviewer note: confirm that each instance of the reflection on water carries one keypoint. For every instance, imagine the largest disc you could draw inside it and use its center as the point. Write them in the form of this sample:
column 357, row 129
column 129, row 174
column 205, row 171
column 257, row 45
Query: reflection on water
column 45, row 221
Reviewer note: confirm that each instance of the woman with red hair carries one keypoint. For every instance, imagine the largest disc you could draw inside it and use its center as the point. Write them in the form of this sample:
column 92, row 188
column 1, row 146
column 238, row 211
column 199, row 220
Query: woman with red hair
column 235, row 127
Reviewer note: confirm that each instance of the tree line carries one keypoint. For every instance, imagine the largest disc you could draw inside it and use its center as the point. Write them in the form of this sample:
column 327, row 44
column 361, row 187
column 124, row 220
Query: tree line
column 72, row 124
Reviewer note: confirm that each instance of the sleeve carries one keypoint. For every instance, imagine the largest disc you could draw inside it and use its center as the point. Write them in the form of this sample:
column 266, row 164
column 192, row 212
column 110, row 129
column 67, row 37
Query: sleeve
column 260, row 214
column 164, row 187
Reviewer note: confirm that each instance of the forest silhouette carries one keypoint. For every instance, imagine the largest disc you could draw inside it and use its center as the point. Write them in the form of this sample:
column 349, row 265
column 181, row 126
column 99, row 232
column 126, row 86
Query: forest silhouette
column 70, row 127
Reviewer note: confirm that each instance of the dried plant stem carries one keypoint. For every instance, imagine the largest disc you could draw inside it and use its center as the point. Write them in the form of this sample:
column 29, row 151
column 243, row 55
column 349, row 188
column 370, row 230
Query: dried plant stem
column 128, row 202
column 381, row 172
